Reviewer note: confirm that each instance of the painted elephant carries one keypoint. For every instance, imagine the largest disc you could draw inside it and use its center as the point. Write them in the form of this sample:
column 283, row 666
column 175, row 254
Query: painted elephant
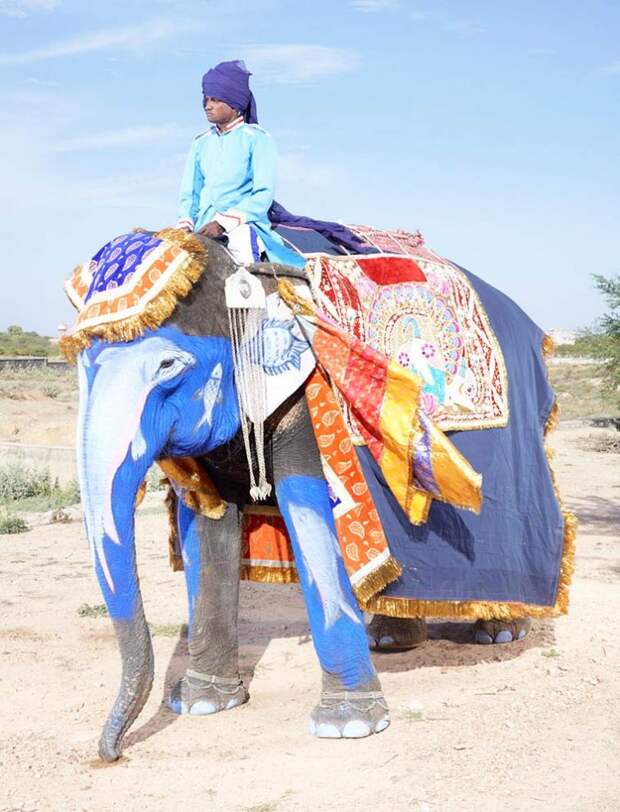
column 171, row 393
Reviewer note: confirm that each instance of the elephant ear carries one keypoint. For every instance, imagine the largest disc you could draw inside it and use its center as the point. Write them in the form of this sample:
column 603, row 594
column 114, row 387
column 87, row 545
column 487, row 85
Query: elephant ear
column 132, row 284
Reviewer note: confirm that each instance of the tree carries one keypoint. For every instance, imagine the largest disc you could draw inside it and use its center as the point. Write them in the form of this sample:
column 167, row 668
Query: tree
column 18, row 342
column 610, row 327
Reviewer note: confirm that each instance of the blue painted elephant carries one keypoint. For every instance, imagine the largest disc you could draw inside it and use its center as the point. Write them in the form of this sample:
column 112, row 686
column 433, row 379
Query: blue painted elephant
column 170, row 393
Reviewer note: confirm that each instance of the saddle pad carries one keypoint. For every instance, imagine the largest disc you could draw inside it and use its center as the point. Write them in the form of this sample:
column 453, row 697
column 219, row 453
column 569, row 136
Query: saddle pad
column 421, row 311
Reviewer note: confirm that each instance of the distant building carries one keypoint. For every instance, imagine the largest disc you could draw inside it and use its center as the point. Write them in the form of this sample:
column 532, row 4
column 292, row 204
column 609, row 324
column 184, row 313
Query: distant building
column 560, row 336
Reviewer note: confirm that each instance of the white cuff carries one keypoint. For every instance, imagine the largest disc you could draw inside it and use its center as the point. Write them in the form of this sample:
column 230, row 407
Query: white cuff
column 230, row 220
column 185, row 223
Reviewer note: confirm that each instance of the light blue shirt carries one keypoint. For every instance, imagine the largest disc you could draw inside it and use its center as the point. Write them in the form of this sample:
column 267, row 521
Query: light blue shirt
column 230, row 177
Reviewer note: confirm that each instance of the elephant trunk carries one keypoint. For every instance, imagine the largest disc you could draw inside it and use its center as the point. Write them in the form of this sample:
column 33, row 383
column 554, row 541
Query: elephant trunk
column 134, row 642
column 114, row 458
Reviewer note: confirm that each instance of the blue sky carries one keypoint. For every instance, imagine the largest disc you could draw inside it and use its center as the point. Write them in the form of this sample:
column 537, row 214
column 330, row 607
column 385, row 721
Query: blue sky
column 491, row 126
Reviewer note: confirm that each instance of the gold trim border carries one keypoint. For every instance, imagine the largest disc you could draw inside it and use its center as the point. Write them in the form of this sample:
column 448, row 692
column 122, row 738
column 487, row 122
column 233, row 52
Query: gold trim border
column 492, row 610
column 157, row 310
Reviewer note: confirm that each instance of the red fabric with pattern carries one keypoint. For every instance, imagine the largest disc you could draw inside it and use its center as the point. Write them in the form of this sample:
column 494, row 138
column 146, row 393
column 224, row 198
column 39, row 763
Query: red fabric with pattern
column 391, row 270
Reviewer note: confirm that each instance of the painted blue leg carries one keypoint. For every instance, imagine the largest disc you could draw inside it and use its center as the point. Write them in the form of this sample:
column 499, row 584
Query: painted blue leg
column 352, row 704
column 211, row 560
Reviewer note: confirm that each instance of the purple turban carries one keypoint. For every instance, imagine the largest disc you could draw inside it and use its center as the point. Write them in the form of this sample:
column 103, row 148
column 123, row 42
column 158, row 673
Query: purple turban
column 230, row 82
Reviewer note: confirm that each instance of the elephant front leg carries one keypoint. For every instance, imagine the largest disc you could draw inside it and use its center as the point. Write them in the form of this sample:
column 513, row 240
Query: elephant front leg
column 211, row 556
column 352, row 704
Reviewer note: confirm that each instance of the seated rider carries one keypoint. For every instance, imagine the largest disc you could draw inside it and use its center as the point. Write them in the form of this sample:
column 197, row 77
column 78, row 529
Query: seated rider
column 229, row 179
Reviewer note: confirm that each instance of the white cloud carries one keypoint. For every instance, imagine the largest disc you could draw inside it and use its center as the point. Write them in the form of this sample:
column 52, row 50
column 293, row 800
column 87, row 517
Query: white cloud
column 131, row 37
column 464, row 27
column 118, row 138
column 294, row 168
column 613, row 69
column 372, row 6
column 22, row 8
column 293, row 63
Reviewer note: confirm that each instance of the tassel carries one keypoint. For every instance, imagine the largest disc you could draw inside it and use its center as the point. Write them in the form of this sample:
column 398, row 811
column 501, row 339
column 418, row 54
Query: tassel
column 245, row 300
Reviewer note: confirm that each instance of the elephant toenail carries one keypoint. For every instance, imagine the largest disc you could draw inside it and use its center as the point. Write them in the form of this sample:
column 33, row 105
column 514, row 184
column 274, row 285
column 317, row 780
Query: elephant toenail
column 355, row 730
column 522, row 633
column 483, row 637
column 202, row 708
column 372, row 643
column 325, row 731
column 505, row 636
column 382, row 724
column 386, row 641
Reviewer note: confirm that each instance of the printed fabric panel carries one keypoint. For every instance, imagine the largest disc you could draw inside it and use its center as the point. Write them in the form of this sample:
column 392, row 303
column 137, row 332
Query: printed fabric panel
column 422, row 312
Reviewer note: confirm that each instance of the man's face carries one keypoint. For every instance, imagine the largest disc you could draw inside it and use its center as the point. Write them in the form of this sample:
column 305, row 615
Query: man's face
column 218, row 112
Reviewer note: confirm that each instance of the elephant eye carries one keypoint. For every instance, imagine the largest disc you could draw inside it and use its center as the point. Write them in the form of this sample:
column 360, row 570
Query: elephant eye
column 166, row 363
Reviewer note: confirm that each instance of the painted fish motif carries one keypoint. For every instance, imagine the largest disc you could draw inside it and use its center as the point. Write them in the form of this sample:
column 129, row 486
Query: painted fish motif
column 282, row 346
column 210, row 393
column 320, row 552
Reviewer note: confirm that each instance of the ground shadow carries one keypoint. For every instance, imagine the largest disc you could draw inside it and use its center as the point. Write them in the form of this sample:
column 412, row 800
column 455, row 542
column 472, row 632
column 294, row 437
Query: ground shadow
column 268, row 613
column 451, row 645
column 163, row 716
column 601, row 516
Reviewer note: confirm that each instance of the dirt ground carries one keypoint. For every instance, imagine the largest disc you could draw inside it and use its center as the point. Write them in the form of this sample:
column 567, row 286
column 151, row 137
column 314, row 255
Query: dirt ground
column 525, row 727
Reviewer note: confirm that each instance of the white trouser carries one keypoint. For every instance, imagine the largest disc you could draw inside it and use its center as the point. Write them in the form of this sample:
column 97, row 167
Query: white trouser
column 245, row 245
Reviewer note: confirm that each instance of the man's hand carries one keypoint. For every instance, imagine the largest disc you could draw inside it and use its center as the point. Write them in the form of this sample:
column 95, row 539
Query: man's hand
column 212, row 230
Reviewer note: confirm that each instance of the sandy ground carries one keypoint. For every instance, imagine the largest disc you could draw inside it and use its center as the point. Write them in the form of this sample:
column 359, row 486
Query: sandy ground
column 530, row 726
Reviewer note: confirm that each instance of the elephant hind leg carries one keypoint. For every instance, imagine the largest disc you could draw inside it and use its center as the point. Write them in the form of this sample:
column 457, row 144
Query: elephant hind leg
column 501, row 631
column 395, row 633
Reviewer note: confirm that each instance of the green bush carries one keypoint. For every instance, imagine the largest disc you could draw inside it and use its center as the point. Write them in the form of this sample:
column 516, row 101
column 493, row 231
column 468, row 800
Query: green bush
column 95, row 610
column 18, row 481
column 16, row 341
column 10, row 524
column 34, row 488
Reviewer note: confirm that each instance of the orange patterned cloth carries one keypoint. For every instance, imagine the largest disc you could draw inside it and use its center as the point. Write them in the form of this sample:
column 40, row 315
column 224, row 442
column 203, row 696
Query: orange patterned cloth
column 362, row 541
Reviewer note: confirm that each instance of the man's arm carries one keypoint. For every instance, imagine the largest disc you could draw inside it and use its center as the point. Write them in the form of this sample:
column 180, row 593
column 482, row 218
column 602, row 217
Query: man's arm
column 256, row 205
column 189, row 195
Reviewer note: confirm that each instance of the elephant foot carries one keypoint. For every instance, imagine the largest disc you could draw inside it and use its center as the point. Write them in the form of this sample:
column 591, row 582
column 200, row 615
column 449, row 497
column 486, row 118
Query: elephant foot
column 202, row 694
column 349, row 715
column 487, row 632
column 395, row 633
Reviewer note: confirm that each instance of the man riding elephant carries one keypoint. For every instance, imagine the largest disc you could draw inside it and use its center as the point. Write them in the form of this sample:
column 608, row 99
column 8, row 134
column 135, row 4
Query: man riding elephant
column 399, row 414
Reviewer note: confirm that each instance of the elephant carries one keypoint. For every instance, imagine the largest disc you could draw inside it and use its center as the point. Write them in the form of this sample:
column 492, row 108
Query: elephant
column 170, row 393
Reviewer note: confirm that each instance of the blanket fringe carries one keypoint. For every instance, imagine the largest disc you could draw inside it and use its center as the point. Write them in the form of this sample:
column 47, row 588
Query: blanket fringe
column 174, row 555
column 199, row 492
column 156, row 311
column 491, row 610
column 366, row 589
column 269, row 575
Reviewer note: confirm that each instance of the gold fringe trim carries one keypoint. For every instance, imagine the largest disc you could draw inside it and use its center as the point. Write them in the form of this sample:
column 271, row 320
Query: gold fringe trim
column 490, row 610
column 297, row 303
column 140, row 495
column 567, row 565
column 269, row 575
column 199, row 492
column 174, row 556
column 156, row 311
column 390, row 570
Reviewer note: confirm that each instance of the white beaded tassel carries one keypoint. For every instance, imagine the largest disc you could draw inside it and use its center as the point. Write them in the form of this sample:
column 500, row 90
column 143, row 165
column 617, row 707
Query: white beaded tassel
column 245, row 299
